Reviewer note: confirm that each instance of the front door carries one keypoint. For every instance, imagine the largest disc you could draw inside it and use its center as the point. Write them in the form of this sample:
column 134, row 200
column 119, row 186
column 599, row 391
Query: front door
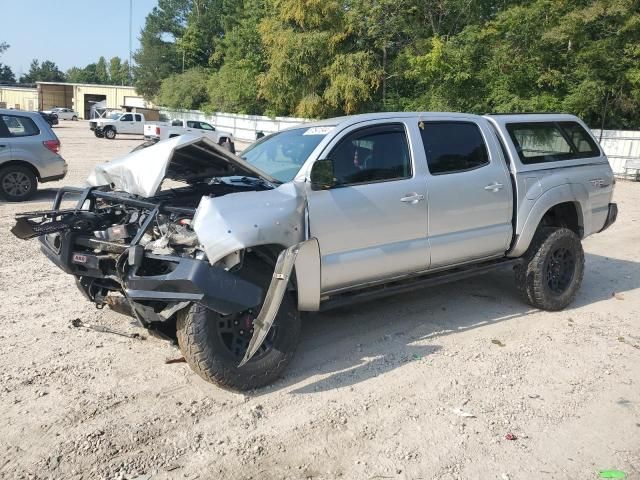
column 470, row 197
column 127, row 124
column 373, row 223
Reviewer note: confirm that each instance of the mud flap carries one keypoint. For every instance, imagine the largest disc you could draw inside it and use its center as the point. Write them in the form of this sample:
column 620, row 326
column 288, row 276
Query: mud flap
column 277, row 288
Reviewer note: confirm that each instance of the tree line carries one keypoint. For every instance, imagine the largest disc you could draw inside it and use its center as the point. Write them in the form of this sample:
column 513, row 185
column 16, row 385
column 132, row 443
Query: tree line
column 320, row 58
column 114, row 72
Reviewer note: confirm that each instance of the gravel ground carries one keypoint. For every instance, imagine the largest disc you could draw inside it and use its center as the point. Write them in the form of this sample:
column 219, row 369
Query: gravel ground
column 462, row 381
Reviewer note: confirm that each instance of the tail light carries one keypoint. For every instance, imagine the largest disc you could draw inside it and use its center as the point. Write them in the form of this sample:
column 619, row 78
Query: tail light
column 53, row 145
column 158, row 131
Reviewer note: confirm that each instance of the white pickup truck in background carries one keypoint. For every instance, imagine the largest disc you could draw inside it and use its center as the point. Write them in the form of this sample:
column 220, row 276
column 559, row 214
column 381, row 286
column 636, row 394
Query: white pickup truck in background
column 119, row 123
column 181, row 127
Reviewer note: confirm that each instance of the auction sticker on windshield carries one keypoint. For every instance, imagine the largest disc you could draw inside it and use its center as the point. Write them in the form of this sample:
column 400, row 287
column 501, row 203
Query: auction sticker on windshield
column 318, row 131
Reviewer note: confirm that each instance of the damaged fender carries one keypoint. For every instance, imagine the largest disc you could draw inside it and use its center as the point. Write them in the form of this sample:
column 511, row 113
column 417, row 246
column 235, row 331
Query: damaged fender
column 241, row 220
column 235, row 222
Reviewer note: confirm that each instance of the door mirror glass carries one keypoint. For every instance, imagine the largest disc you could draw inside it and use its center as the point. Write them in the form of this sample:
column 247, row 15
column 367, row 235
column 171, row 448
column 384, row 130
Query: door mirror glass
column 322, row 177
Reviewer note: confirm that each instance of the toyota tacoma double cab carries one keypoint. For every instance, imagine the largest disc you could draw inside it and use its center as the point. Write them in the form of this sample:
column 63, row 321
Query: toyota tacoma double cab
column 223, row 252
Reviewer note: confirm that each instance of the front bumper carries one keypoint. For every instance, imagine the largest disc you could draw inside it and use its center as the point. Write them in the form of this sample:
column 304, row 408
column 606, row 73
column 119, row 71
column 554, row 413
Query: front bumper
column 612, row 216
column 188, row 280
column 126, row 268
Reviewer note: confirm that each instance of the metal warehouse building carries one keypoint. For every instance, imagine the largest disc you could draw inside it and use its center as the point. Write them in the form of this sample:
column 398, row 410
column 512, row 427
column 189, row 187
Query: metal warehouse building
column 78, row 96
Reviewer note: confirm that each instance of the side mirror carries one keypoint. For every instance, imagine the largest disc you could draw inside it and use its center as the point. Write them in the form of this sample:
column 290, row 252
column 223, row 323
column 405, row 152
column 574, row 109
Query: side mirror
column 322, row 177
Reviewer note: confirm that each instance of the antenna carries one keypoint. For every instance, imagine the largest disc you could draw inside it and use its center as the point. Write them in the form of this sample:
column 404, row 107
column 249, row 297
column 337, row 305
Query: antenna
column 130, row 30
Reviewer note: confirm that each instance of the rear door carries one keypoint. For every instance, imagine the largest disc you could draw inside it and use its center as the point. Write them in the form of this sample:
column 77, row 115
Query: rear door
column 138, row 124
column 470, row 197
column 5, row 146
column 373, row 224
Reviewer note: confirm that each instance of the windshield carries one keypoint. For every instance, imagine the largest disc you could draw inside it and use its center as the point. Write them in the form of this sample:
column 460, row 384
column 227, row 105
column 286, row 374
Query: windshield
column 282, row 154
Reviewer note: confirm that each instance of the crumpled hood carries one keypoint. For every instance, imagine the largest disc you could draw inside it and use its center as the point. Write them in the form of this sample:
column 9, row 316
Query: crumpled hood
column 186, row 158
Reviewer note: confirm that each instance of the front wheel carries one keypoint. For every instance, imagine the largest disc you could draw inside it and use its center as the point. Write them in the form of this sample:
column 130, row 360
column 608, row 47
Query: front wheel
column 110, row 133
column 214, row 345
column 553, row 267
column 74, row 118
column 98, row 134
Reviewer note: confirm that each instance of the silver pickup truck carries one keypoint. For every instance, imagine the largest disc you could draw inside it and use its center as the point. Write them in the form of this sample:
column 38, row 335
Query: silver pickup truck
column 222, row 252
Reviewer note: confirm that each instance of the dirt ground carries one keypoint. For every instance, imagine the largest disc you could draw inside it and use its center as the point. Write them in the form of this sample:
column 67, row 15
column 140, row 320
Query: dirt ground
column 427, row 385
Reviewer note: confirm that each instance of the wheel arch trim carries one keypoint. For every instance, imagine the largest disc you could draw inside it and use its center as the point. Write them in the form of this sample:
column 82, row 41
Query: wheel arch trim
column 566, row 193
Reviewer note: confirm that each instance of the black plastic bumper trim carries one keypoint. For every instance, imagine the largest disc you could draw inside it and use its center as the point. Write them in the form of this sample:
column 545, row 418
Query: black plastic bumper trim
column 196, row 280
column 612, row 216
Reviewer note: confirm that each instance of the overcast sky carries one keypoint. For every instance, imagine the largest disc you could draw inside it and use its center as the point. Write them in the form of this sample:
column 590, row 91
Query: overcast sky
column 68, row 32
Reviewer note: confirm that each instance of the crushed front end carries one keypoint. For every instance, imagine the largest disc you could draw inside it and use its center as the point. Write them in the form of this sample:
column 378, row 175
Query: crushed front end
column 140, row 257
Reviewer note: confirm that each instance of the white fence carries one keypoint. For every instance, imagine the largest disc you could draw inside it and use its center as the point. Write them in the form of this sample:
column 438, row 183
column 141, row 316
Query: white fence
column 243, row 127
column 621, row 146
column 623, row 150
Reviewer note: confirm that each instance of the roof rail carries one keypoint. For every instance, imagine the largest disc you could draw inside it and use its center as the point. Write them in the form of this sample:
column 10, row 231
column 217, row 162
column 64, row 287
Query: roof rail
column 529, row 113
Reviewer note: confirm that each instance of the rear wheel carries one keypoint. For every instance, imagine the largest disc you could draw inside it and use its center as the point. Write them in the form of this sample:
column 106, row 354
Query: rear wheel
column 553, row 268
column 17, row 183
column 109, row 133
column 214, row 345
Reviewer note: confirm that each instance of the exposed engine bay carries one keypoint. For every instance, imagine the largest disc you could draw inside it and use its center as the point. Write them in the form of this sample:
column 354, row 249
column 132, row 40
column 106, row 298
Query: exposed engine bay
column 140, row 257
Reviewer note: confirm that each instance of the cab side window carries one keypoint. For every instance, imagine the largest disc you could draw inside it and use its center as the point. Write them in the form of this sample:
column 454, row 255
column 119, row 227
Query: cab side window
column 126, row 118
column 138, row 117
column 453, row 147
column 372, row 154
column 206, row 126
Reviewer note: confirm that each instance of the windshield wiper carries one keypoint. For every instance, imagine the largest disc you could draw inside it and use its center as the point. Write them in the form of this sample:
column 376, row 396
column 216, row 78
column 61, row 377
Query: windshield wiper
column 254, row 181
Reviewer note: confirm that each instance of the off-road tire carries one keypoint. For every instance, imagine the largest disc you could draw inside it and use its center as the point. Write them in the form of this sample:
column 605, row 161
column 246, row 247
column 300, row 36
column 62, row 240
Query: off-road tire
column 109, row 133
column 532, row 276
column 207, row 355
column 74, row 119
column 23, row 173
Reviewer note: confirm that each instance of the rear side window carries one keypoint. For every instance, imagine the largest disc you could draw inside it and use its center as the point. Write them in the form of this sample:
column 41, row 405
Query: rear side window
column 138, row 118
column 18, row 126
column 453, row 147
column 580, row 139
column 551, row 141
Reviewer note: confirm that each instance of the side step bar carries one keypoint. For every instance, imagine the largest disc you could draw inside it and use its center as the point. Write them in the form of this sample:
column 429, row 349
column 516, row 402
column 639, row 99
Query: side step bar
column 414, row 283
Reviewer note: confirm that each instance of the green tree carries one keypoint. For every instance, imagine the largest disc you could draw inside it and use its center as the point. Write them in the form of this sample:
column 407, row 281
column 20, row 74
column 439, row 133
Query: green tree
column 46, row 71
column 159, row 56
column 118, row 71
column 102, row 75
column 239, row 60
column 544, row 55
column 186, row 90
column 6, row 74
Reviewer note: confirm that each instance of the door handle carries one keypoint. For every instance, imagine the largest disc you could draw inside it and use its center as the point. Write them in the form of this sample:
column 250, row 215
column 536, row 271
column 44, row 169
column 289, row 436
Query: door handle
column 2, row 146
column 494, row 187
column 412, row 198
